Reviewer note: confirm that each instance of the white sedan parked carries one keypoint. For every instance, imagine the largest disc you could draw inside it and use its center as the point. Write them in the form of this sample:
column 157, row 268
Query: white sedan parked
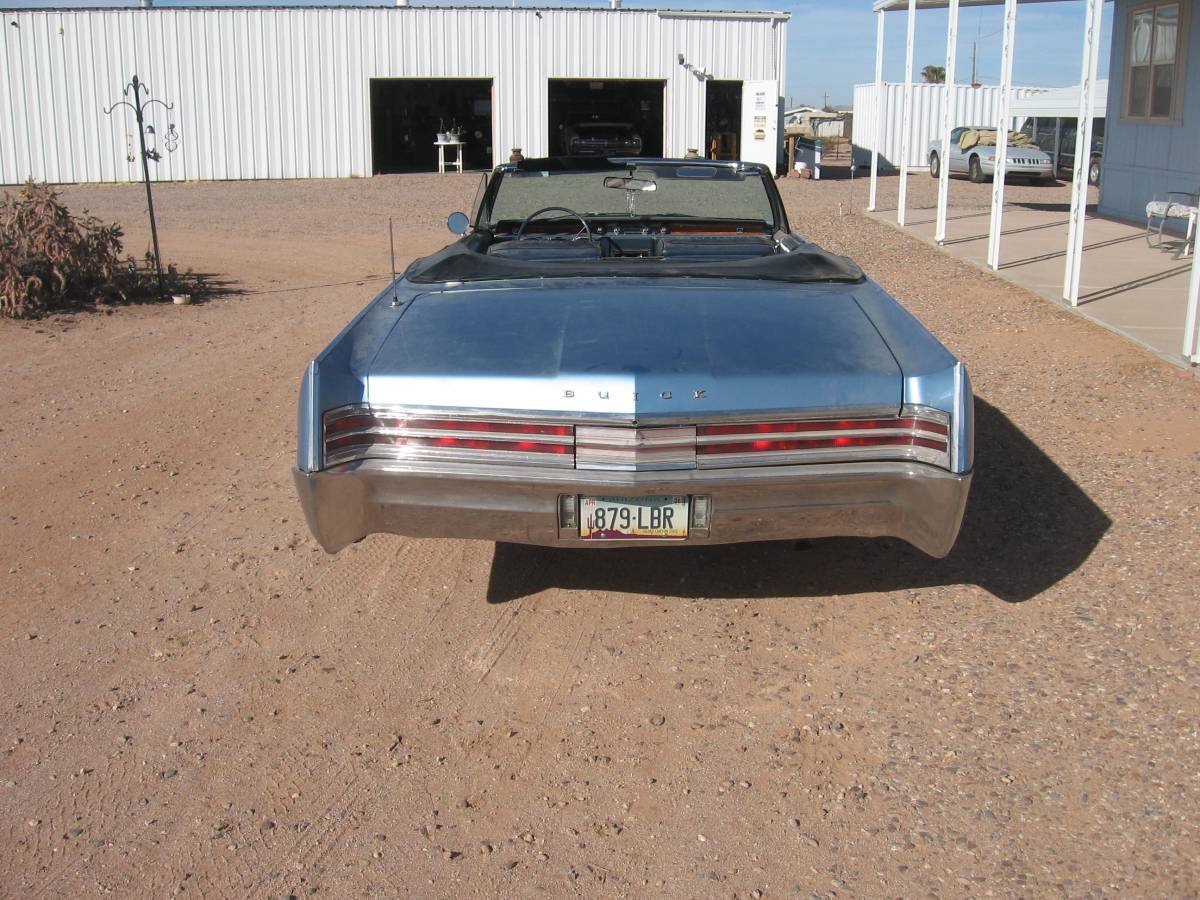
column 973, row 153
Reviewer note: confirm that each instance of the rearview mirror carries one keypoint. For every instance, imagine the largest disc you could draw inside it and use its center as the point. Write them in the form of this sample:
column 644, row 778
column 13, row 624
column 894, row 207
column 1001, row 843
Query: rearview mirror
column 630, row 184
column 458, row 223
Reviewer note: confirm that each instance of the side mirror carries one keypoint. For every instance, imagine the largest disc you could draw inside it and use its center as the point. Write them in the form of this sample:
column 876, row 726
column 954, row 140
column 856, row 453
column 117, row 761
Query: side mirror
column 458, row 223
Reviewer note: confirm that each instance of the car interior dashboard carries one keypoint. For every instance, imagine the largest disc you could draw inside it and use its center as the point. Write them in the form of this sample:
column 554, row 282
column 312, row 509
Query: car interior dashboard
column 633, row 239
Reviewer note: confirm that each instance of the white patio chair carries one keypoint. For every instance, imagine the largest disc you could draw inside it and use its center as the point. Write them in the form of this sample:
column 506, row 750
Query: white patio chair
column 1172, row 205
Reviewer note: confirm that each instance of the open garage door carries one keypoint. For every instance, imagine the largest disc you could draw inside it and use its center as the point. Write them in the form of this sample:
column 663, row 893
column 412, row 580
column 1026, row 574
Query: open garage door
column 408, row 113
column 599, row 108
column 722, row 119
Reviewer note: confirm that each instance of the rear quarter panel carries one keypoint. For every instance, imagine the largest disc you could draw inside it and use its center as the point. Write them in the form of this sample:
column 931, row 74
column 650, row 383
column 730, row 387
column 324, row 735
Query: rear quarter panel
column 338, row 374
column 931, row 375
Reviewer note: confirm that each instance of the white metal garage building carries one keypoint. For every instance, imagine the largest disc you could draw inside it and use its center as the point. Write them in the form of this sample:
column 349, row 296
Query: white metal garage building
column 308, row 92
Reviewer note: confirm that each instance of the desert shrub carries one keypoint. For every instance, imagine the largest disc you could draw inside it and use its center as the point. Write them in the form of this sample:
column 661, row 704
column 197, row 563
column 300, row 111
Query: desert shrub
column 51, row 260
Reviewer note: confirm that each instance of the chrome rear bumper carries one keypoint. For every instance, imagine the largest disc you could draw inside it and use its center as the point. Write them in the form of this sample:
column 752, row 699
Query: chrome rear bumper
column 919, row 503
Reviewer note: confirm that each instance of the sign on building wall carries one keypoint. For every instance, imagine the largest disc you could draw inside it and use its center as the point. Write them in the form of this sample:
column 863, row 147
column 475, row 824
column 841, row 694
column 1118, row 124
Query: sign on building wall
column 760, row 122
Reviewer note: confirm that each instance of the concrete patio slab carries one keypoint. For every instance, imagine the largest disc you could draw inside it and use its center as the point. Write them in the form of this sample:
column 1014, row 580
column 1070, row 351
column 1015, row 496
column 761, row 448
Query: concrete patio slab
column 1126, row 286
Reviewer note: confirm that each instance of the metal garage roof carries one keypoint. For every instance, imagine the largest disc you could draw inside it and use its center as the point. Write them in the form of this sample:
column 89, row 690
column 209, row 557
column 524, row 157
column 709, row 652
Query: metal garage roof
column 757, row 15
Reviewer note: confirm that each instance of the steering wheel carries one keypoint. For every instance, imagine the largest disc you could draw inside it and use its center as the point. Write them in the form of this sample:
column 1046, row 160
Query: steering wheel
column 586, row 230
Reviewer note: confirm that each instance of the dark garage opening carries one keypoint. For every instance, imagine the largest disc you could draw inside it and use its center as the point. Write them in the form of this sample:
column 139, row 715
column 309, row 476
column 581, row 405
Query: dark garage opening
column 722, row 119
column 408, row 113
column 640, row 103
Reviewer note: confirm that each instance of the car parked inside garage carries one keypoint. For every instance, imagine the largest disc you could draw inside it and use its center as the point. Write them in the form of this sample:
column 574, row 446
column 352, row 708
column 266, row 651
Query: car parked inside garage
column 601, row 139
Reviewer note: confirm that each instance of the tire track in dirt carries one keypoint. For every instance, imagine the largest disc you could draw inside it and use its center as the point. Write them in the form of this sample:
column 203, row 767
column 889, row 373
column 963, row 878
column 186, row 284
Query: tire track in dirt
column 418, row 608
column 307, row 796
column 307, row 788
column 108, row 804
column 107, row 810
column 460, row 683
column 100, row 806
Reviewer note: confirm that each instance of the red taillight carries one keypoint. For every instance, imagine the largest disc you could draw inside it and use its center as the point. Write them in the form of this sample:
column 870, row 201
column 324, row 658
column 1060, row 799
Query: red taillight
column 479, row 425
column 914, row 436
column 823, row 425
column 477, row 444
column 358, row 433
column 890, row 440
column 361, row 433
column 348, row 423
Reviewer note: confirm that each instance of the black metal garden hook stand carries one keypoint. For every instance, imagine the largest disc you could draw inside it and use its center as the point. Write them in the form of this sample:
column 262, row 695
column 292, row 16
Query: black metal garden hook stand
column 139, row 107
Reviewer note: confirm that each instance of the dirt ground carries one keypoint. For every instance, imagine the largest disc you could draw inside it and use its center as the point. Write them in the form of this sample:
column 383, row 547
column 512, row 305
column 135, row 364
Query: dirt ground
column 197, row 700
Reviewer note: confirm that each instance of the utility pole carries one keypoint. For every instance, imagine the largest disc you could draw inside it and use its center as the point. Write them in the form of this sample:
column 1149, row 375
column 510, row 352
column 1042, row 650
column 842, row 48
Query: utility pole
column 170, row 141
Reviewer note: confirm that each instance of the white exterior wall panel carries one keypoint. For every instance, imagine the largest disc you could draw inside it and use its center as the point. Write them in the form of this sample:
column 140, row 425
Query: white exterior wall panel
column 284, row 92
column 972, row 106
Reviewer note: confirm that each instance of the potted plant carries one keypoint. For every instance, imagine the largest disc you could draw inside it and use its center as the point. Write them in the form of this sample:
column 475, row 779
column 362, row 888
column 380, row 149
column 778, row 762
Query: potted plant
column 456, row 133
column 442, row 136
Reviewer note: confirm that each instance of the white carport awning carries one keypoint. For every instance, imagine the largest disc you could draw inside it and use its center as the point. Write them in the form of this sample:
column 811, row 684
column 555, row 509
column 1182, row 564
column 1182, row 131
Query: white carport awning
column 892, row 5
column 1085, row 102
column 1086, row 98
column 1060, row 103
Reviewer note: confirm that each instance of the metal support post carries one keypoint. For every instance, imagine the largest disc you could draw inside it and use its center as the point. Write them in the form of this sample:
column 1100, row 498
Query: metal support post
column 1190, row 349
column 1083, row 150
column 1002, row 126
column 906, row 118
column 949, row 94
column 880, row 104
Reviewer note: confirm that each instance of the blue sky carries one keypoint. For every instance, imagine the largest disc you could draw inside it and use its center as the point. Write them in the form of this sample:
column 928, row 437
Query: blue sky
column 831, row 44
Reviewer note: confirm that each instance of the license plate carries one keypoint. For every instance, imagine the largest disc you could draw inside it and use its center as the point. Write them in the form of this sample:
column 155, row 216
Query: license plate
column 631, row 518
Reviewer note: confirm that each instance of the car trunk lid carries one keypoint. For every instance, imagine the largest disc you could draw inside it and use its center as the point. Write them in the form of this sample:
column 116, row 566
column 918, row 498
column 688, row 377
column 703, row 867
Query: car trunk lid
column 638, row 350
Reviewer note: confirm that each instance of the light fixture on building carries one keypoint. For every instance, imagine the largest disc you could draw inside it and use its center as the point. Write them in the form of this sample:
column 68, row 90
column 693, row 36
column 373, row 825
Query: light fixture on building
column 702, row 74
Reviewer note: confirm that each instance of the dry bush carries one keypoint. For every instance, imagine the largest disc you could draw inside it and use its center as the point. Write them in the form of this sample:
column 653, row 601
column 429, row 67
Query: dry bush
column 51, row 260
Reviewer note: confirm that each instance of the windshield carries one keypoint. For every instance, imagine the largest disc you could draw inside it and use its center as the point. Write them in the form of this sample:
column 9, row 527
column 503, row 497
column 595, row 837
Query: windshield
column 690, row 191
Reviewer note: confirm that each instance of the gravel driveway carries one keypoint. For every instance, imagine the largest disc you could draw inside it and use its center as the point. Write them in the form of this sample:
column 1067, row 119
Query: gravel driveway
column 195, row 699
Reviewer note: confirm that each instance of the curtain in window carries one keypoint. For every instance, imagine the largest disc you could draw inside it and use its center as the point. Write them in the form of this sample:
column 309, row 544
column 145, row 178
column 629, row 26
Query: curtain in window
column 1142, row 32
column 1166, row 33
column 1153, row 42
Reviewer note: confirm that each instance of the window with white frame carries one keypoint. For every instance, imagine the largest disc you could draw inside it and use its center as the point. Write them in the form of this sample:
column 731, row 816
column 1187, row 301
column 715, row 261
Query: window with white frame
column 1153, row 78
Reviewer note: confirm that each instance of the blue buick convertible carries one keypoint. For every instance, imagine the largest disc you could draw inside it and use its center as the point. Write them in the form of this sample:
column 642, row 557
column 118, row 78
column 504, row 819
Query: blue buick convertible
column 634, row 352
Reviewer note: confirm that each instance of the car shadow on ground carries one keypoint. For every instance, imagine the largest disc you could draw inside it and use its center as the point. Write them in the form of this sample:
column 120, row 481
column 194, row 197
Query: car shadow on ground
column 1027, row 526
